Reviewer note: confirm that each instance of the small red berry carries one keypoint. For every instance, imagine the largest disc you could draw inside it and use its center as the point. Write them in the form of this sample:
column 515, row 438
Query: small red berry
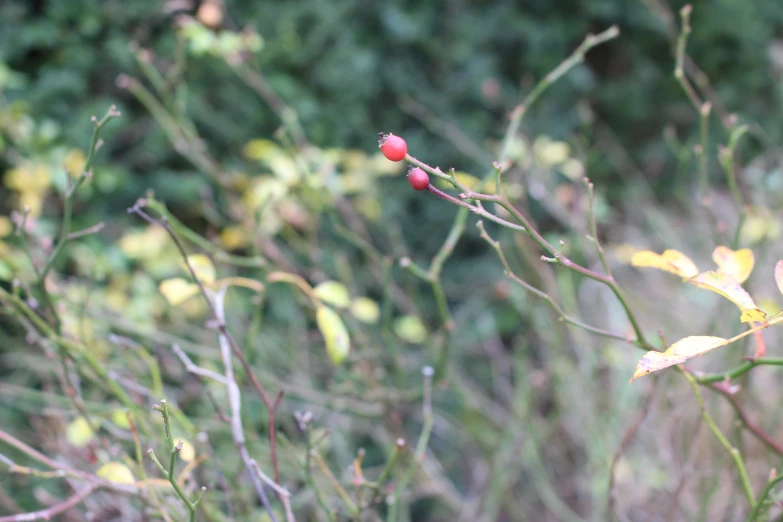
column 393, row 147
column 418, row 179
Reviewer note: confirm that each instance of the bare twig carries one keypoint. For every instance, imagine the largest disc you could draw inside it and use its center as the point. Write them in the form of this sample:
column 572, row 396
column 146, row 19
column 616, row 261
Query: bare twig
column 626, row 441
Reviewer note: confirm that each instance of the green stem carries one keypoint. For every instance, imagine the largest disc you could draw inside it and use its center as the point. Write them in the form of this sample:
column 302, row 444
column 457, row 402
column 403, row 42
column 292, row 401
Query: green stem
column 760, row 505
column 65, row 228
column 734, row 452
column 739, row 370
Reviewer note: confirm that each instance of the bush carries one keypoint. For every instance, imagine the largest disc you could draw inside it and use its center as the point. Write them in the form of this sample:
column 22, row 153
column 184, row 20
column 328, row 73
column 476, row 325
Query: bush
column 321, row 341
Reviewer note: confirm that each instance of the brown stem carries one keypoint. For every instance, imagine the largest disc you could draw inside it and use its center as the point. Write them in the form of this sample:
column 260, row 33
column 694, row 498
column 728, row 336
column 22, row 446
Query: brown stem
column 48, row 513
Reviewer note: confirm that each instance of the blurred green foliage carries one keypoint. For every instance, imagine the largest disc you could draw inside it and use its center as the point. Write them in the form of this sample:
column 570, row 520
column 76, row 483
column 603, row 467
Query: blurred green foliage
column 444, row 75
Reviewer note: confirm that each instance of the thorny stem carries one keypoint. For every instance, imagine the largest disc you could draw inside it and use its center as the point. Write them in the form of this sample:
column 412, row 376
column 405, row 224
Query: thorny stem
column 548, row 298
column 525, row 226
column 421, row 445
column 577, row 57
column 761, row 503
column 726, row 158
column 270, row 405
column 174, row 449
column 739, row 370
column 704, row 131
column 65, row 228
column 679, row 72
column 734, row 452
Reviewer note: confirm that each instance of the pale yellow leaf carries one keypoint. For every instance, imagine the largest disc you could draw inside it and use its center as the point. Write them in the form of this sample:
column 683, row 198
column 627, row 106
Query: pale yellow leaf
column 677, row 353
column 728, row 287
column 755, row 315
column 203, row 267
column 736, row 263
column 188, row 452
column 116, row 472
column 333, row 293
column 78, row 433
column 336, row 338
column 670, row 261
column 120, row 418
column 365, row 310
column 177, row 290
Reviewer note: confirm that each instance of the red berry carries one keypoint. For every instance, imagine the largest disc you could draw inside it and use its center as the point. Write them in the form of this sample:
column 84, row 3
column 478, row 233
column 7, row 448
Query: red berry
column 393, row 147
column 418, row 179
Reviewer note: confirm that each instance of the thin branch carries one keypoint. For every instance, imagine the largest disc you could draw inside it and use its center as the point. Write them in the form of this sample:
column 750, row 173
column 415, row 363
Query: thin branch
column 627, row 438
column 577, row 57
column 724, row 389
column 734, row 452
column 49, row 513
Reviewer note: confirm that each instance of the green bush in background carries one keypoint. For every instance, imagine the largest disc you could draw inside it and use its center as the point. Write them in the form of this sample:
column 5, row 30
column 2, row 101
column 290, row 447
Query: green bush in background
column 255, row 141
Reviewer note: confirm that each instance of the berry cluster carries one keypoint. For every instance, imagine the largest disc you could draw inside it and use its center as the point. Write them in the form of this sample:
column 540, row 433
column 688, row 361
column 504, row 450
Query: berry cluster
column 395, row 149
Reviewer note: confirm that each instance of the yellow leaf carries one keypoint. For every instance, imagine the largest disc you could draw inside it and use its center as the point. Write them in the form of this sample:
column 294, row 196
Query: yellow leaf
column 242, row 281
column 410, row 328
column 78, row 433
column 550, row 153
column 365, row 310
column 188, row 452
column 670, row 261
column 729, row 288
column 261, row 149
column 677, row 353
column 333, row 293
column 203, row 267
column 6, row 227
column 119, row 418
column 116, row 472
column 756, row 315
column 233, row 237
column 779, row 275
column 177, row 290
column 738, row 264
column 338, row 343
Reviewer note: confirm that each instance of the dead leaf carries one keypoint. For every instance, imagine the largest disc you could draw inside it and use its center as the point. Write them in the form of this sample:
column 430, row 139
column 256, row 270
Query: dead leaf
column 677, row 353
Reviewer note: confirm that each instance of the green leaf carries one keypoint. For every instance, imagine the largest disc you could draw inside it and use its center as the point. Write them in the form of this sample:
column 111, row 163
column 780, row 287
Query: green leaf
column 410, row 328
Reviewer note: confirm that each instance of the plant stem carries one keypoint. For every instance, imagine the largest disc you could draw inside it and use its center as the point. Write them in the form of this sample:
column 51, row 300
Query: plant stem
column 734, row 452
column 65, row 228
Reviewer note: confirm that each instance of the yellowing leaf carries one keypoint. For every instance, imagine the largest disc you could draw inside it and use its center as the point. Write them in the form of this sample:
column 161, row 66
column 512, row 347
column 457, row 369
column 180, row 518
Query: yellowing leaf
column 338, row 343
column 177, row 290
column 78, row 433
column 120, row 418
column 365, row 310
column 677, row 353
column 729, row 288
column 188, row 452
column 779, row 275
column 756, row 315
column 116, row 472
column 670, row 261
column 6, row 227
column 203, row 267
column 410, row 328
column 333, row 293
column 738, row 264
column 233, row 237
